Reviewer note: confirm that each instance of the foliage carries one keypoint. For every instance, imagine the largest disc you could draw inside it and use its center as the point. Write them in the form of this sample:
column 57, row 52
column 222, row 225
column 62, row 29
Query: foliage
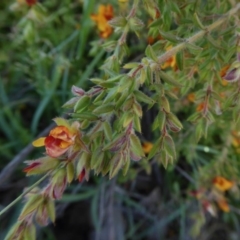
column 185, row 81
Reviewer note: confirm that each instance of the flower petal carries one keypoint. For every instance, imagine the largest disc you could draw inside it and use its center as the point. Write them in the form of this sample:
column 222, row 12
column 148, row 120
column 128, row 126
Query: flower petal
column 53, row 147
column 39, row 142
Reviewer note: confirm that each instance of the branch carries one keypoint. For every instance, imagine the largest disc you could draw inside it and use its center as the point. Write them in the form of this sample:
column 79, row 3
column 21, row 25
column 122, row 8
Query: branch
column 164, row 57
column 10, row 168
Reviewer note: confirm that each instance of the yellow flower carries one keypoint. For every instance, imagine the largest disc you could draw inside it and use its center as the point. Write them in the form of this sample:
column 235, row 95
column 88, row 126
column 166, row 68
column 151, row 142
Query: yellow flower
column 147, row 147
column 191, row 97
column 223, row 205
column 200, row 107
column 171, row 62
column 105, row 13
column 223, row 72
column 222, row 184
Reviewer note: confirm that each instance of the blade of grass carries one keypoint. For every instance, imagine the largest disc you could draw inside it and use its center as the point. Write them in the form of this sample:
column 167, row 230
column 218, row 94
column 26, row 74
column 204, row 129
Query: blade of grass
column 85, row 27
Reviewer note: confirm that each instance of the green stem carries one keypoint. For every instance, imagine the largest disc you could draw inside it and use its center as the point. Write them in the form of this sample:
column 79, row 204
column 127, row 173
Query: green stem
column 23, row 194
column 164, row 57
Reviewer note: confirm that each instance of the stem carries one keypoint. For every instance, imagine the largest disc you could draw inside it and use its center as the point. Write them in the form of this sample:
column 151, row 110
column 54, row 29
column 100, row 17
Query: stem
column 164, row 57
column 23, row 194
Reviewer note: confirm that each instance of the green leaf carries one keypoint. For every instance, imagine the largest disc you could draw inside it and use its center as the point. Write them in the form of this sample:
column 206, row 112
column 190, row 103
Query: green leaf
column 104, row 108
column 131, row 65
column 120, row 101
column 171, row 117
column 142, row 97
column 107, row 130
column 168, row 79
column 137, row 123
column 198, row 22
column 194, row 117
column 180, row 60
column 31, row 205
column 157, row 147
column 82, row 104
column 51, row 210
column 114, row 142
column 70, row 172
column 169, row 146
column 170, row 37
column 86, row 115
column 126, row 165
column 164, row 103
column 116, row 164
column 150, row 53
column 136, row 146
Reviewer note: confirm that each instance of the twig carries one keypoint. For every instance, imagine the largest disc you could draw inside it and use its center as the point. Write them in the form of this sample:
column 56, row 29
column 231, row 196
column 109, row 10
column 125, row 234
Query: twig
column 10, row 168
column 23, row 194
column 164, row 57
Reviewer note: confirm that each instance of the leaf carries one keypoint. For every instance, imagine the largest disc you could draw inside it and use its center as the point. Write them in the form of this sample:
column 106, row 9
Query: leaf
column 157, row 147
column 82, row 104
column 142, row 97
column 165, row 103
column 70, row 172
column 137, row 123
column 31, row 205
column 198, row 22
column 51, row 210
column 126, row 166
column 120, row 101
column 168, row 79
column 150, row 53
column 194, row 117
column 180, row 60
column 127, row 118
column 131, row 65
column 116, row 164
column 170, row 146
column 171, row 117
column 164, row 158
column 117, row 139
column 96, row 158
column 107, row 130
column 170, row 37
column 105, row 108
column 136, row 145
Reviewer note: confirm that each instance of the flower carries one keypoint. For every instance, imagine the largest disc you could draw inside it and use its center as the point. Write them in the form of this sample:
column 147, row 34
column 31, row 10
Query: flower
column 105, row 13
column 31, row 2
column 223, row 205
column 147, row 147
column 200, row 107
column 171, row 62
column 191, row 97
column 60, row 138
column 222, row 184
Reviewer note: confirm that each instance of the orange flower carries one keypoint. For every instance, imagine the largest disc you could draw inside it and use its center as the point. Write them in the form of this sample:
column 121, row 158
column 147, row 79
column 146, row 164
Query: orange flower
column 60, row 139
column 223, row 205
column 200, row 107
column 147, row 147
column 222, row 183
column 224, row 70
column 191, row 97
column 171, row 62
column 105, row 13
